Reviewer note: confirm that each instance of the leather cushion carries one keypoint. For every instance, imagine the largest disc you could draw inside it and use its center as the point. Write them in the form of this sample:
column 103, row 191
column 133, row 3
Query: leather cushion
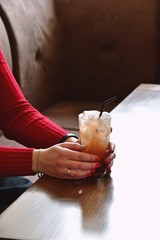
column 109, row 46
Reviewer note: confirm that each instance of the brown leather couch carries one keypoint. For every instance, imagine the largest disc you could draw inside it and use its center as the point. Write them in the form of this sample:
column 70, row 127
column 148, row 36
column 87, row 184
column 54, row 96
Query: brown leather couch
column 71, row 55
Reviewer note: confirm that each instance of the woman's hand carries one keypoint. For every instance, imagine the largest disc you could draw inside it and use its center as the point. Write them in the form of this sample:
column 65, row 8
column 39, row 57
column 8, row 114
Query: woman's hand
column 110, row 156
column 108, row 162
column 68, row 161
column 65, row 160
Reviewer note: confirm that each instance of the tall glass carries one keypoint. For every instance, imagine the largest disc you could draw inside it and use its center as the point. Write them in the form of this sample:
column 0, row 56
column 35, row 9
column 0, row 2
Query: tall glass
column 95, row 132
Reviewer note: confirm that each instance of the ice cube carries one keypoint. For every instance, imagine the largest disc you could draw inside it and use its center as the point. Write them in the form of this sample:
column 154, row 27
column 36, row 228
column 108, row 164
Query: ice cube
column 105, row 115
column 101, row 127
column 91, row 114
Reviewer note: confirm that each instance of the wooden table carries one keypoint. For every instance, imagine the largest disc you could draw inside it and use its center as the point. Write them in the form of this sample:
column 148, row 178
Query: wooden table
column 125, row 205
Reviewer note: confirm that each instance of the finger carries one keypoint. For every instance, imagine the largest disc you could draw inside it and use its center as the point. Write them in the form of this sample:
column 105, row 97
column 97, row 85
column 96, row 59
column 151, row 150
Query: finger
column 111, row 163
column 79, row 156
column 73, row 146
column 109, row 159
column 77, row 174
column 82, row 166
column 78, row 140
column 111, row 147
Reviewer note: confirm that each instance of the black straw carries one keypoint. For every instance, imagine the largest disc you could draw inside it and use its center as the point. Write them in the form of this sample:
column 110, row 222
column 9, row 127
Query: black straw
column 107, row 102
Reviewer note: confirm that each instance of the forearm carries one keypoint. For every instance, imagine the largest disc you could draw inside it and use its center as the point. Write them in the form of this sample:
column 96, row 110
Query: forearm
column 19, row 120
column 34, row 131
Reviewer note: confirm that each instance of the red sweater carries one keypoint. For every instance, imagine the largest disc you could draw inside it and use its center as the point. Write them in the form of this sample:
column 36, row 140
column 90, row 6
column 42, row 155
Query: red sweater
column 21, row 122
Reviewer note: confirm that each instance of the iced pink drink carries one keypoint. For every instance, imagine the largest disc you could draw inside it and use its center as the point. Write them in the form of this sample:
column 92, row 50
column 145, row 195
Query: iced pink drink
column 95, row 132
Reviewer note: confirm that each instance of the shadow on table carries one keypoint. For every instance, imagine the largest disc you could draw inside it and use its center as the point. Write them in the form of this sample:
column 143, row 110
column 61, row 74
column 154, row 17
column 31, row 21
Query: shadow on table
column 93, row 195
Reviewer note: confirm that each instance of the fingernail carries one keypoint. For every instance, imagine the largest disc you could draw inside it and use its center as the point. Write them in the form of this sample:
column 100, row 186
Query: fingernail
column 98, row 158
column 98, row 165
column 108, row 161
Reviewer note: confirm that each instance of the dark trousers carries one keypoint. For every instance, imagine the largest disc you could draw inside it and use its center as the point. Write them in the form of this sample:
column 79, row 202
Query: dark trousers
column 10, row 189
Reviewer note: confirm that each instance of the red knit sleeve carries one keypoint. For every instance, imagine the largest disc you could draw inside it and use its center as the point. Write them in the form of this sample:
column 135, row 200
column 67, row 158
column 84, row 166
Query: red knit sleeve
column 21, row 122
column 15, row 161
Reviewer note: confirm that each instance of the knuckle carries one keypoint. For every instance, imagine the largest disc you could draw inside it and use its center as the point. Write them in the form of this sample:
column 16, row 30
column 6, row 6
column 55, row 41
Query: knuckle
column 75, row 174
column 79, row 166
column 81, row 156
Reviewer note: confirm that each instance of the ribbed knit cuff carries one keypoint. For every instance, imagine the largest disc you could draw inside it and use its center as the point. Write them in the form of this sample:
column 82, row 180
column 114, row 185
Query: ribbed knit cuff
column 15, row 161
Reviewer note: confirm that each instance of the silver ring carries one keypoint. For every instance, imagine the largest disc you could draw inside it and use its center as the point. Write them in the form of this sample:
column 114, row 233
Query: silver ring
column 68, row 172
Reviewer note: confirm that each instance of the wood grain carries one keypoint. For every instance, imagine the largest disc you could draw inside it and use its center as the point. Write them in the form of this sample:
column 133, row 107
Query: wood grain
column 122, row 206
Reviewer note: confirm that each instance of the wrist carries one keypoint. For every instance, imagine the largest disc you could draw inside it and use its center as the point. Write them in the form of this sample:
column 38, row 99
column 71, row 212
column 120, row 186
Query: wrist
column 34, row 157
column 69, row 137
column 36, row 161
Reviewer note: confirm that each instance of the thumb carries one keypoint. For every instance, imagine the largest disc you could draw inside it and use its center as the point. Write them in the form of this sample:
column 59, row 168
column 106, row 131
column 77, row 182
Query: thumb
column 73, row 146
